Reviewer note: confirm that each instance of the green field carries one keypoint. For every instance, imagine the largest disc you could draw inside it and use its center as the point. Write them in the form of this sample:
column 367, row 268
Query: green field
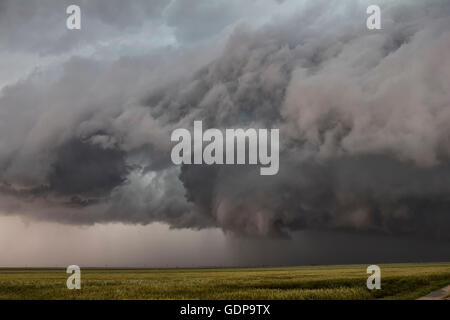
column 398, row 281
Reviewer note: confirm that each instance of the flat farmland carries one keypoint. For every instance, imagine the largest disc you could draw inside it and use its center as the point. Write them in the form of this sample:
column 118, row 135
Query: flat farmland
column 398, row 281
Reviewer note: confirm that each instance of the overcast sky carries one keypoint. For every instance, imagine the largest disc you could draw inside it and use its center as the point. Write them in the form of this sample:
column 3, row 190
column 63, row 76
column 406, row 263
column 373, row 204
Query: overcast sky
column 86, row 117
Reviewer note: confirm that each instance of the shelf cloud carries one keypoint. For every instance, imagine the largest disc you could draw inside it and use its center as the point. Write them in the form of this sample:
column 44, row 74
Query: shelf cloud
column 363, row 118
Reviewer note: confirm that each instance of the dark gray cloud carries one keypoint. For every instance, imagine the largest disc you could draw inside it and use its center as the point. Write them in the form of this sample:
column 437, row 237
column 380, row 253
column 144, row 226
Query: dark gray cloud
column 85, row 168
column 362, row 115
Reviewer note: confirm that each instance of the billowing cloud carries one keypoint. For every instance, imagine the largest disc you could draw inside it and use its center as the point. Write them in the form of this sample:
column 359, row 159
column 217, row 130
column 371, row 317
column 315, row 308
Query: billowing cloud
column 362, row 115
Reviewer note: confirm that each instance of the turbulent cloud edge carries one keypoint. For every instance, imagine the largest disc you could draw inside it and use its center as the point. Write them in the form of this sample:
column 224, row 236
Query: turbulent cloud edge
column 362, row 115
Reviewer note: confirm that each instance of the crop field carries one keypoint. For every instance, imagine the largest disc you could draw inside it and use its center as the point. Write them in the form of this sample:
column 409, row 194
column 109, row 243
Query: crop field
column 398, row 281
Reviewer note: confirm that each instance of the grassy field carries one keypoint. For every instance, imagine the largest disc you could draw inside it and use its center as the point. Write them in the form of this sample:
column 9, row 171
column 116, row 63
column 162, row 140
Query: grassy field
column 399, row 281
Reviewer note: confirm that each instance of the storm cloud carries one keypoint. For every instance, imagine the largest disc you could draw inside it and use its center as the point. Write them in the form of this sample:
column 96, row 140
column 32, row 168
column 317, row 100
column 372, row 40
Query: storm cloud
column 363, row 118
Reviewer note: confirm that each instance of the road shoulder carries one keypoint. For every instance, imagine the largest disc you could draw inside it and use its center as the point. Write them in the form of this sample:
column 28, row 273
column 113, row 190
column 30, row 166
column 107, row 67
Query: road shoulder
column 440, row 294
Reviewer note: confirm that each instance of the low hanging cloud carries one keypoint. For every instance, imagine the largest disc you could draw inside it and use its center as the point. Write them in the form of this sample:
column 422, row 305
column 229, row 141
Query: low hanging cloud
column 363, row 118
